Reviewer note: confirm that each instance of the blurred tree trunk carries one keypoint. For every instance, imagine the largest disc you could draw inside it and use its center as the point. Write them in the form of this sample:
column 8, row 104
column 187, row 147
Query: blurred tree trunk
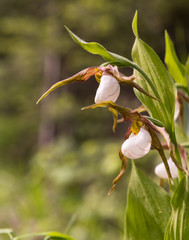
column 51, row 72
column 51, row 75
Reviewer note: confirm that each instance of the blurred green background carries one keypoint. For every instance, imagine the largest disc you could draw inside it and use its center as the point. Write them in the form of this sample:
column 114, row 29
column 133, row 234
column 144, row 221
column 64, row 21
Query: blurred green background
column 57, row 162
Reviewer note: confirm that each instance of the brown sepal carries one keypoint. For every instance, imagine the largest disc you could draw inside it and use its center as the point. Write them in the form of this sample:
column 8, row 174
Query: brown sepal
column 122, row 171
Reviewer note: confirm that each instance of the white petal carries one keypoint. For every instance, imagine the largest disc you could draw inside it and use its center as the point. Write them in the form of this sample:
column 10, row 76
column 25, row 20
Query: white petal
column 137, row 146
column 177, row 110
column 161, row 172
column 108, row 90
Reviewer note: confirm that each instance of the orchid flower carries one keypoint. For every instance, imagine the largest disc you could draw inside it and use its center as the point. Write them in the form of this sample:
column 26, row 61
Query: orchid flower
column 108, row 90
column 109, row 78
column 140, row 137
column 136, row 146
column 161, row 172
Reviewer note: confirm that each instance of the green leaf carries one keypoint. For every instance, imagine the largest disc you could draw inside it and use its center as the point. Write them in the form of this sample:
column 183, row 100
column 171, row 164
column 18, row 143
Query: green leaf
column 148, row 208
column 96, row 48
column 187, row 69
column 47, row 235
column 134, row 24
column 175, row 67
column 148, row 60
column 57, row 236
column 155, row 121
column 112, row 58
column 178, row 225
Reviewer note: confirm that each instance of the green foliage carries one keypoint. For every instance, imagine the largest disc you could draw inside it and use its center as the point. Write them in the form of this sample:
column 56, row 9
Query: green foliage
column 57, row 236
column 46, row 235
column 149, row 61
column 155, row 121
column 175, row 67
column 94, row 48
column 148, row 208
column 187, row 69
column 178, row 225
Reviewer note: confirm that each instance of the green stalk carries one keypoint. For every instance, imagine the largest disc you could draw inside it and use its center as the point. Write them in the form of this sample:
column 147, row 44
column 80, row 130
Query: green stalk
column 177, row 156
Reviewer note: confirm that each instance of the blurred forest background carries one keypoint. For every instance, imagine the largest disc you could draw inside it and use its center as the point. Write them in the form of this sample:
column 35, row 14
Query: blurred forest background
column 57, row 162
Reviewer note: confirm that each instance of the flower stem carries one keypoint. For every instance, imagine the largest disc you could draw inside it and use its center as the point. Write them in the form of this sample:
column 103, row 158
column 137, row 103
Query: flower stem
column 178, row 158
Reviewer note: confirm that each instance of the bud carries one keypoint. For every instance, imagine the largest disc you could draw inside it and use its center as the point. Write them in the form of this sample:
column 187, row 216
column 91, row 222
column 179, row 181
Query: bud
column 108, row 89
column 137, row 146
column 161, row 172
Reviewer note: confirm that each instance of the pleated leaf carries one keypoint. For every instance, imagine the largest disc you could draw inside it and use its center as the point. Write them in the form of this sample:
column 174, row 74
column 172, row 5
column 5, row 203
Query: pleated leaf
column 148, row 208
column 148, row 60
column 175, row 67
column 178, row 225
